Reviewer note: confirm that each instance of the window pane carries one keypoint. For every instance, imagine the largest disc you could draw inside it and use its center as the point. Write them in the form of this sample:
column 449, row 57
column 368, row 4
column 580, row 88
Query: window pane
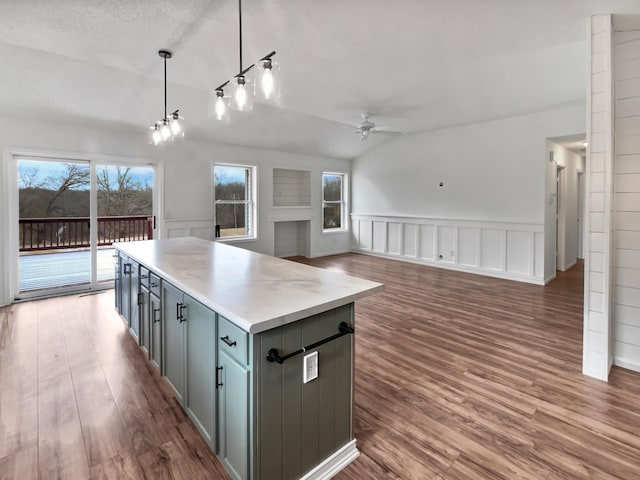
column 232, row 219
column 231, row 183
column 332, row 187
column 332, row 216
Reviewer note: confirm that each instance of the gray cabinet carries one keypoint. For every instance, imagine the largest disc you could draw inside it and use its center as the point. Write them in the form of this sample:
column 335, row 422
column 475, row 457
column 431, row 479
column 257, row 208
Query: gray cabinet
column 145, row 319
column 127, row 292
column 173, row 339
column 155, row 321
column 233, row 414
column 189, row 357
column 200, row 357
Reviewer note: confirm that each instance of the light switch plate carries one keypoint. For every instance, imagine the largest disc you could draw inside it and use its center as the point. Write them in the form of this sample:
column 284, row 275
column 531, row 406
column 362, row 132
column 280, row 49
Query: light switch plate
column 310, row 367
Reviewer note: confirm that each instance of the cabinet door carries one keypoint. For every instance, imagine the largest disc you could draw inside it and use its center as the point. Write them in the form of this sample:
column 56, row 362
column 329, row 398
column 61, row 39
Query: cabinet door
column 125, row 288
column 200, row 353
column 145, row 319
column 135, row 301
column 155, row 315
column 173, row 339
column 233, row 416
column 117, row 282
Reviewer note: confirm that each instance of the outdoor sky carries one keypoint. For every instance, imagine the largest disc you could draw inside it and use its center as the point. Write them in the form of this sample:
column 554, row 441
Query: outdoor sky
column 51, row 168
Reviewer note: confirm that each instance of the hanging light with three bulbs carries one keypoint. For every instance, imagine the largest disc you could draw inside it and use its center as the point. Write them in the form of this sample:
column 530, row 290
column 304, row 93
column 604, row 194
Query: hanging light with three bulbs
column 170, row 126
column 245, row 88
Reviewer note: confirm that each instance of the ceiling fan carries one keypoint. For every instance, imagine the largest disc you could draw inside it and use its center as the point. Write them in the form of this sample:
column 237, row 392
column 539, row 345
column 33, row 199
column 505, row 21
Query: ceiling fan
column 367, row 127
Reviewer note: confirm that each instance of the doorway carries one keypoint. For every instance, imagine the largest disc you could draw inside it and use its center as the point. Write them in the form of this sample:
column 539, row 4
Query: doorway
column 70, row 212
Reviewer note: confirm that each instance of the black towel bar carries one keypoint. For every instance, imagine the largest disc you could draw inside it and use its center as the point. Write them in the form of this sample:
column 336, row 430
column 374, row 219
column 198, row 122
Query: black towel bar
column 274, row 356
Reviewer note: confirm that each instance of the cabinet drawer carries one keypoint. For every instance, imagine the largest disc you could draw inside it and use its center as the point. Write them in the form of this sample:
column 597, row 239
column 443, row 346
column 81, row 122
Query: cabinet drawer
column 232, row 340
column 154, row 284
column 144, row 276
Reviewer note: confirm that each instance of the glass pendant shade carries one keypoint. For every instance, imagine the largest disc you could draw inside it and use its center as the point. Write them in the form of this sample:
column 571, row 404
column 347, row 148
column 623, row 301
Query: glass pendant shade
column 176, row 124
column 165, row 131
column 242, row 99
column 154, row 135
column 218, row 104
column 268, row 88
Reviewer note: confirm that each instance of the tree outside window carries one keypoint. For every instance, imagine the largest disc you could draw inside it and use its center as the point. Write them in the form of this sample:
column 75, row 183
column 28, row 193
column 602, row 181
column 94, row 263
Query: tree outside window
column 234, row 202
column 333, row 204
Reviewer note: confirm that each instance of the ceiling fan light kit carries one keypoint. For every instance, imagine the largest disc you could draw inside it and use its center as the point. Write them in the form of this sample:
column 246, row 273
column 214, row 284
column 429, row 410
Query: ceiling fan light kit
column 169, row 126
column 367, row 127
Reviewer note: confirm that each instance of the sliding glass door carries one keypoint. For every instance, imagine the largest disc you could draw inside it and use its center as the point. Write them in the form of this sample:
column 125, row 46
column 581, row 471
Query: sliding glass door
column 69, row 215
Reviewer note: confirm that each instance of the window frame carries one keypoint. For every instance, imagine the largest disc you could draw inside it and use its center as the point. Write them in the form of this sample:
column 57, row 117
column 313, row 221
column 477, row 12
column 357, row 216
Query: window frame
column 251, row 202
column 343, row 202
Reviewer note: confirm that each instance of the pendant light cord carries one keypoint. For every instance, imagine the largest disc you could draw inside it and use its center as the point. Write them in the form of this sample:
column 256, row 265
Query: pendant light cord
column 165, row 89
column 240, row 30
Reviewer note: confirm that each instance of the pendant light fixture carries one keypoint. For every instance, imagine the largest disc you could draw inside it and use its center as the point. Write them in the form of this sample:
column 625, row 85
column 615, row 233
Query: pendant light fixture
column 245, row 87
column 170, row 126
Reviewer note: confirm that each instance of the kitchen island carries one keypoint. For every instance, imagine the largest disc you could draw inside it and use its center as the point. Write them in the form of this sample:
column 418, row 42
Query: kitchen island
column 259, row 350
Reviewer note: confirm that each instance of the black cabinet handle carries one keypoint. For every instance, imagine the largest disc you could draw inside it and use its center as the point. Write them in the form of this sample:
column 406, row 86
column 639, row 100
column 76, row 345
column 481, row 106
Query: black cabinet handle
column 140, row 298
column 153, row 285
column 143, row 276
column 180, row 308
column 218, row 383
column 156, row 317
column 225, row 339
column 127, row 268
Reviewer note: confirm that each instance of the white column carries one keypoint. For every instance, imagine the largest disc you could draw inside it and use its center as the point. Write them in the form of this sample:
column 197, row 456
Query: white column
column 598, row 338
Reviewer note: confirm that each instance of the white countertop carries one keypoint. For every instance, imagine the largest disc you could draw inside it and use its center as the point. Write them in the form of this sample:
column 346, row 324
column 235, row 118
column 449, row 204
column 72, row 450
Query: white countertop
column 257, row 292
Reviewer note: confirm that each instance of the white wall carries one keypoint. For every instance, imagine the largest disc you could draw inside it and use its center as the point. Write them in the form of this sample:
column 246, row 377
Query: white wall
column 186, row 207
column 492, row 172
column 626, row 201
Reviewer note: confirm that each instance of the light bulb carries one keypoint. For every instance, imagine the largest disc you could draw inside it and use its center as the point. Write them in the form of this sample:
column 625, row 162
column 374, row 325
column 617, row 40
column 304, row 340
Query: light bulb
column 220, row 106
column 156, row 137
column 165, row 131
column 267, row 81
column 241, row 95
column 176, row 128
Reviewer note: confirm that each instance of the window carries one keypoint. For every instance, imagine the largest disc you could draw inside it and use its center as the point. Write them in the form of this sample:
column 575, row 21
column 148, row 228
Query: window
column 234, row 201
column 333, row 201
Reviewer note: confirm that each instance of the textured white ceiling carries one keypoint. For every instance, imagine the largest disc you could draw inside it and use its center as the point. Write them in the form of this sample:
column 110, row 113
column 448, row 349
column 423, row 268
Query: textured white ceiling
column 415, row 64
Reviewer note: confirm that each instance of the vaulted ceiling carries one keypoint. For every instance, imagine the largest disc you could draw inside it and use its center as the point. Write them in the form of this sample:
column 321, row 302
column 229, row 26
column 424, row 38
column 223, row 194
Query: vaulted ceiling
column 415, row 64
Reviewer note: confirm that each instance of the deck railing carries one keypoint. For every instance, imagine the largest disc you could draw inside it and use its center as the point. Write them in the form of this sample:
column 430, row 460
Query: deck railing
column 74, row 232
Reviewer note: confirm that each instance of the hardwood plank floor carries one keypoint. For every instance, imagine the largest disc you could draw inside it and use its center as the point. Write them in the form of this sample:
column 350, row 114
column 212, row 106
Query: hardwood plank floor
column 458, row 376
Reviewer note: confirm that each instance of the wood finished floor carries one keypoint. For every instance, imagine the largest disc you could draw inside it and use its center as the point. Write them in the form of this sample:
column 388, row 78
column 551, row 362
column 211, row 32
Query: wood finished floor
column 458, row 376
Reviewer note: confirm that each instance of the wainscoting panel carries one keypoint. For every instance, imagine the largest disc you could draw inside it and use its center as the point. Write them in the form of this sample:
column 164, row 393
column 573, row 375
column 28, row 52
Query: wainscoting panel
column 447, row 244
column 188, row 228
column 410, row 240
column 500, row 249
column 394, row 238
column 468, row 238
column 379, row 237
column 493, row 249
column 427, row 242
column 517, row 242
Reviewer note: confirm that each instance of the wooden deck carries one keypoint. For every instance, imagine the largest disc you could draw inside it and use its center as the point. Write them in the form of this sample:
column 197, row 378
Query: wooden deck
column 63, row 268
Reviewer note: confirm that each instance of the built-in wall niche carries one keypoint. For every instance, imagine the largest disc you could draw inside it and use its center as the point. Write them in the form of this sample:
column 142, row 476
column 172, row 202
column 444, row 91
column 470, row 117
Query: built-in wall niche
column 292, row 238
column 291, row 188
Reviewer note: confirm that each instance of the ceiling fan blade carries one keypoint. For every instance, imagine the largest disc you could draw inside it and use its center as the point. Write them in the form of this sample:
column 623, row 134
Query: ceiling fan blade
column 386, row 132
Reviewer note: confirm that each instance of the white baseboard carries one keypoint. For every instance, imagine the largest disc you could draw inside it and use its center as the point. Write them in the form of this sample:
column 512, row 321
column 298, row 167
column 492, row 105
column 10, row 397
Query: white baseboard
column 618, row 362
column 333, row 464
column 457, row 268
column 549, row 278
